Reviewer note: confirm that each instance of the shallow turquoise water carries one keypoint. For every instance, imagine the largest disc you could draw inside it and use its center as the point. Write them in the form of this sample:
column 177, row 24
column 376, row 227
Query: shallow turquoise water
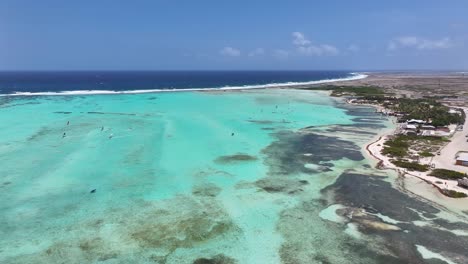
column 178, row 176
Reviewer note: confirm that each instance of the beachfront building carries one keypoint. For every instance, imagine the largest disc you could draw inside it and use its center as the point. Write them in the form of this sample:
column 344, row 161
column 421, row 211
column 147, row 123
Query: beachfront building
column 443, row 129
column 428, row 130
column 410, row 130
column 427, row 127
column 462, row 159
column 415, row 122
column 409, row 127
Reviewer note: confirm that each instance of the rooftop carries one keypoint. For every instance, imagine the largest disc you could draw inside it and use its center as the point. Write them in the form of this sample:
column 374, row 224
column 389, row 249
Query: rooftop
column 409, row 127
column 463, row 156
column 416, row 121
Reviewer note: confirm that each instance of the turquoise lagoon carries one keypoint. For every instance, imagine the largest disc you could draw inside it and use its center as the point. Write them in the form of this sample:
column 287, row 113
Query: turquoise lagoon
column 259, row 176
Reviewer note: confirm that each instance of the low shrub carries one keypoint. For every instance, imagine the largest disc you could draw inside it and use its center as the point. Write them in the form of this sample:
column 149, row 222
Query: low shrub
column 447, row 174
column 412, row 166
column 426, row 154
column 394, row 151
column 454, row 194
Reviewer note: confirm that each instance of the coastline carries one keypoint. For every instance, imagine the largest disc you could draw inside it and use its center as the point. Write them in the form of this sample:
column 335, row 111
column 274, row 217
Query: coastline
column 292, row 85
column 374, row 147
column 230, row 204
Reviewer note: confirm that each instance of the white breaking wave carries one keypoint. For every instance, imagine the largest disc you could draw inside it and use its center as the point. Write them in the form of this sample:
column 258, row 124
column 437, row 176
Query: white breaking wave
column 355, row 76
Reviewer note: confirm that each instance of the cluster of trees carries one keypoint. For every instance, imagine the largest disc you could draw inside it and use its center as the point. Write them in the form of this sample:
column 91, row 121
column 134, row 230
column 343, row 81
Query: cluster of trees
column 428, row 109
column 362, row 91
column 358, row 91
column 423, row 109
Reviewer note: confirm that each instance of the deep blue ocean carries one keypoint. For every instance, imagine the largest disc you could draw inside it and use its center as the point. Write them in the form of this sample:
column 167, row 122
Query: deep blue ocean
column 36, row 82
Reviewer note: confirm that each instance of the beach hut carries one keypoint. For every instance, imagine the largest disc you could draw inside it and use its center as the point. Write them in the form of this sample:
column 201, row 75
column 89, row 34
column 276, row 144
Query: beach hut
column 410, row 127
column 443, row 129
column 427, row 127
column 462, row 159
column 415, row 122
column 429, row 133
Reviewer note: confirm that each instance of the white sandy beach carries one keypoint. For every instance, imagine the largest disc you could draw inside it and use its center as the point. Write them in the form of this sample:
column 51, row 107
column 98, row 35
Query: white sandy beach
column 445, row 160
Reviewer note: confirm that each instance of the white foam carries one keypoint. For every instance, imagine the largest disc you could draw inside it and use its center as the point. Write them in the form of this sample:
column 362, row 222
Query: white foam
column 352, row 230
column 355, row 76
column 427, row 254
column 387, row 219
column 330, row 214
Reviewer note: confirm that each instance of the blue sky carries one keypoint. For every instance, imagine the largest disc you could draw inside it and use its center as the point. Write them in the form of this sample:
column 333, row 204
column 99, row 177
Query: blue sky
column 263, row 35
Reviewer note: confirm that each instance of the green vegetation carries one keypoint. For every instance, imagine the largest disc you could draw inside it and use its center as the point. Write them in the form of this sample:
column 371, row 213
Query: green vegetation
column 395, row 151
column 404, row 146
column 423, row 109
column 454, row 194
column 440, row 96
column 351, row 90
column 357, row 91
column 399, row 145
column 396, row 147
column 447, row 174
column 426, row 154
column 413, row 166
column 428, row 109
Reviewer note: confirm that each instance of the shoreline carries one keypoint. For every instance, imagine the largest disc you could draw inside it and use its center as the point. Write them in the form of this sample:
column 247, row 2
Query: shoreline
column 293, row 85
column 374, row 147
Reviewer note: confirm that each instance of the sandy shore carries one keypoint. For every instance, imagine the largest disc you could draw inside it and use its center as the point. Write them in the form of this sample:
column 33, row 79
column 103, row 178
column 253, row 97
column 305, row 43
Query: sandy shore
column 374, row 150
column 417, row 85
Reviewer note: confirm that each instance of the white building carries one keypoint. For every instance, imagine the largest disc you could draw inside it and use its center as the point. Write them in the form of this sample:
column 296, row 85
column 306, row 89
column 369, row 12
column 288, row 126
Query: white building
column 409, row 127
column 416, row 121
column 462, row 159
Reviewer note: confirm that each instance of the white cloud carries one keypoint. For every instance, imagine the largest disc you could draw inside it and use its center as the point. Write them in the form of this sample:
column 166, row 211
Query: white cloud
column 310, row 50
column 408, row 41
column 230, row 51
column 305, row 46
column 419, row 43
column 256, row 52
column 444, row 43
column 329, row 49
column 281, row 54
column 318, row 50
column 299, row 39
